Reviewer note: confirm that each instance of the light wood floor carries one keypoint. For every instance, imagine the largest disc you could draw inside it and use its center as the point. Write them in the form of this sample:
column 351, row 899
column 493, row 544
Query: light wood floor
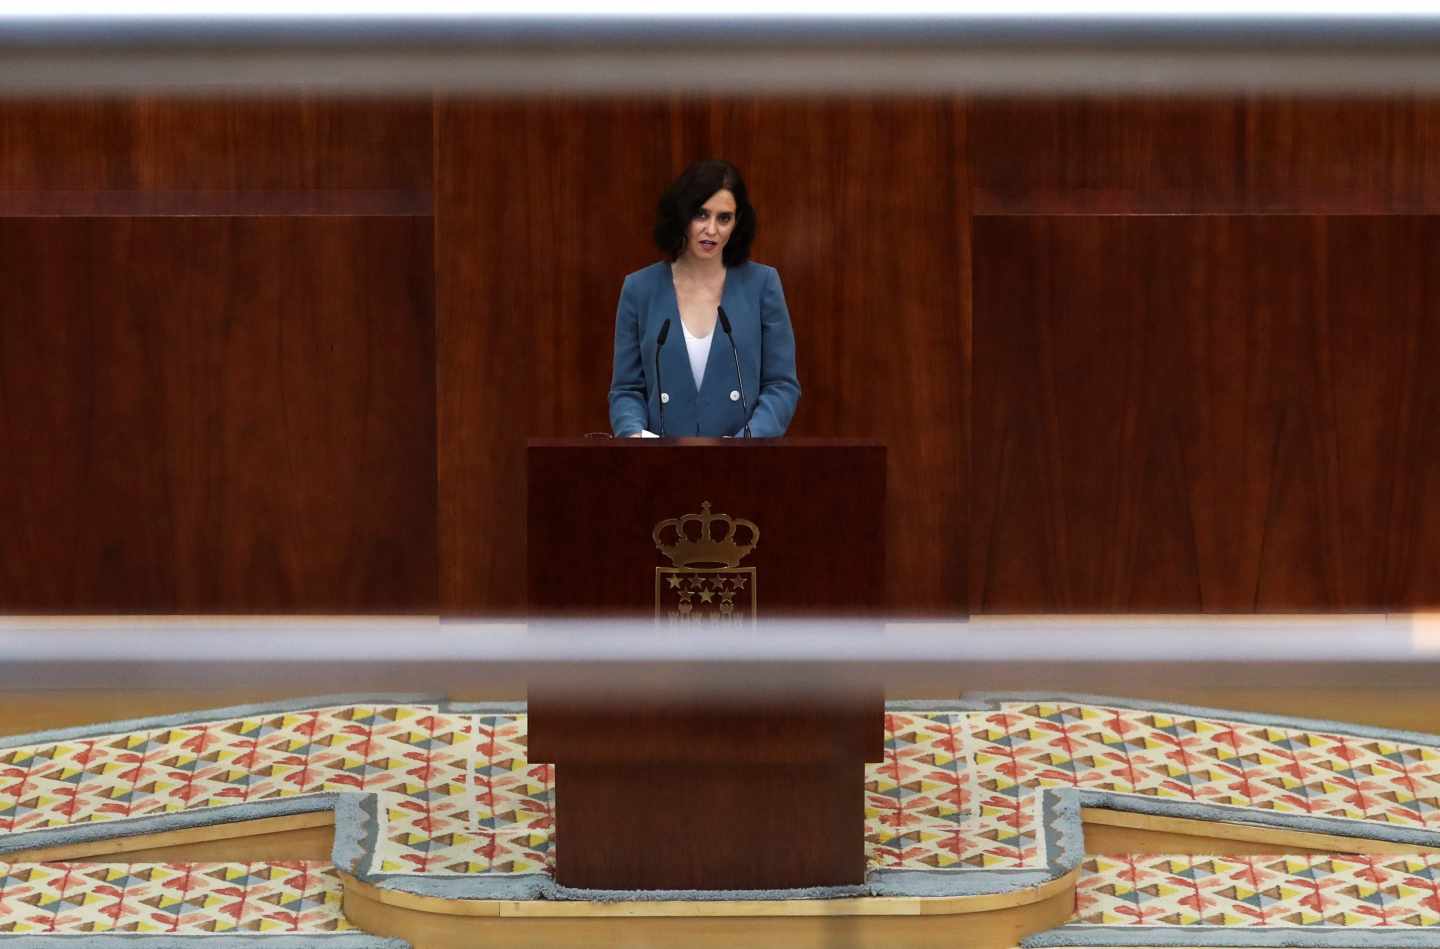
column 1410, row 706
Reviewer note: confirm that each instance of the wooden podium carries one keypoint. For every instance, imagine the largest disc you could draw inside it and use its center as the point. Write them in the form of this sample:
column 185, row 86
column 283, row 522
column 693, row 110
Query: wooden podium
column 669, row 788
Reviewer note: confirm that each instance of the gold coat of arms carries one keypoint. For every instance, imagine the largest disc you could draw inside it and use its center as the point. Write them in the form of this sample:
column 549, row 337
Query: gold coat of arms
column 705, row 583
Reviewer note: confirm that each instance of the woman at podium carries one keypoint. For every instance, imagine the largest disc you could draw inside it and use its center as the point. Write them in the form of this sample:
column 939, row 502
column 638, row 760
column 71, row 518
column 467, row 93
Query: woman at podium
column 703, row 344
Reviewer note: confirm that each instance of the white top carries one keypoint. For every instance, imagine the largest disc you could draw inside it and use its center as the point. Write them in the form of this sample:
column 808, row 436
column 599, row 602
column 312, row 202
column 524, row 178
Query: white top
column 699, row 349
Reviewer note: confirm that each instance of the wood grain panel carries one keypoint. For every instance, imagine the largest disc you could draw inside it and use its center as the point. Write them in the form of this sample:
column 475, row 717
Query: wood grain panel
column 1054, row 156
column 1202, row 413
column 816, row 503
column 863, row 208
column 1131, row 155
column 196, row 152
column 542, row 208
column 217, row 415
column 1412, row 569
column 214, row 203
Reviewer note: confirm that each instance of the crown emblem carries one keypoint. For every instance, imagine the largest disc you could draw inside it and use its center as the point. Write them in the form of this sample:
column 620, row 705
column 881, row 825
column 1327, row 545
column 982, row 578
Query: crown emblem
column 692, row 540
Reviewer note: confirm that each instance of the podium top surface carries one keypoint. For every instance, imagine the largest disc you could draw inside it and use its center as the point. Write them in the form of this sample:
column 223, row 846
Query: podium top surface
column 781, row 443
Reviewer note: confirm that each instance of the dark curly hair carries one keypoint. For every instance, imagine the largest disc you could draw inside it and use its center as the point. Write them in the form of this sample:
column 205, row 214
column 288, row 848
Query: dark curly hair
column 684, row 198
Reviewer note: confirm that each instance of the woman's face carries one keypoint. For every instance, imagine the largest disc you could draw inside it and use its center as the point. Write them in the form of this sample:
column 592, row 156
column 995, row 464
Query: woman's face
column 711, row 226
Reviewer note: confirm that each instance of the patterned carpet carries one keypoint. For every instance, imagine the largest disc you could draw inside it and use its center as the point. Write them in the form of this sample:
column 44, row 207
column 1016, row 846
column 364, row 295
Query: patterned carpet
column 1142, row 900
column 966, row 793
column 178, row 899
column 957, row 789
column 1301, row 890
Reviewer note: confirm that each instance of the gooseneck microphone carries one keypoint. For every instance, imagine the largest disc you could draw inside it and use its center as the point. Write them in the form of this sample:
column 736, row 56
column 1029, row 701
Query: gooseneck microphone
column 659, row 345
column 739, row 380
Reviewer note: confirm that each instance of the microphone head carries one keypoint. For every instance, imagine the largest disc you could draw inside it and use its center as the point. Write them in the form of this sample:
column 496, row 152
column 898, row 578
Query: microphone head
column 664, row 333
column 724, row 321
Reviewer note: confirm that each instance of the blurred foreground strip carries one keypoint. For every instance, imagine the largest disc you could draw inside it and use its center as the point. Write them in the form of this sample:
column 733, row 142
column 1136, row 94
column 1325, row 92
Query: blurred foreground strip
column 430, row 655
column 777, row 51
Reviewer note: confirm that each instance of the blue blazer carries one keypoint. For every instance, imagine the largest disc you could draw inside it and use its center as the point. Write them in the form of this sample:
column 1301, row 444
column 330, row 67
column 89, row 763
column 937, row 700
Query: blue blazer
column 764, row 342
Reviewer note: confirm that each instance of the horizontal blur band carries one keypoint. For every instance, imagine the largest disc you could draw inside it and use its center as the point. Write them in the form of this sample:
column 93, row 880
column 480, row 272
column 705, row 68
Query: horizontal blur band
column 579, row 55
column 428, row 653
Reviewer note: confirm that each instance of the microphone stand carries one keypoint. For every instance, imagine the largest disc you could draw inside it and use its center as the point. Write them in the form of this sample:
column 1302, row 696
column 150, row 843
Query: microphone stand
column 735, row 355
column 659, row 345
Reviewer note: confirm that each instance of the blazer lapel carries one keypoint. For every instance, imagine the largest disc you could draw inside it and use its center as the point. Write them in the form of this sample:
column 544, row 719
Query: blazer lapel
column 719, row 372
column 716, row 382
column 675, row 358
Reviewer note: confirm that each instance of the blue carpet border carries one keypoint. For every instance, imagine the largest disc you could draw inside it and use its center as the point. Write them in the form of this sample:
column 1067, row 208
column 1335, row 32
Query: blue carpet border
column 180, row 719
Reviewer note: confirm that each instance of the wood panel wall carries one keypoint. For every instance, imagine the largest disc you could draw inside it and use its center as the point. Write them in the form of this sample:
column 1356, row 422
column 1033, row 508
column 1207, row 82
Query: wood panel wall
column 216, row 357
column 225, row 156
column 863, row 211
column 1128, row 354
column 1203, row 332
column 1189, row 155
column 1203, row 413
column 541, row 209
